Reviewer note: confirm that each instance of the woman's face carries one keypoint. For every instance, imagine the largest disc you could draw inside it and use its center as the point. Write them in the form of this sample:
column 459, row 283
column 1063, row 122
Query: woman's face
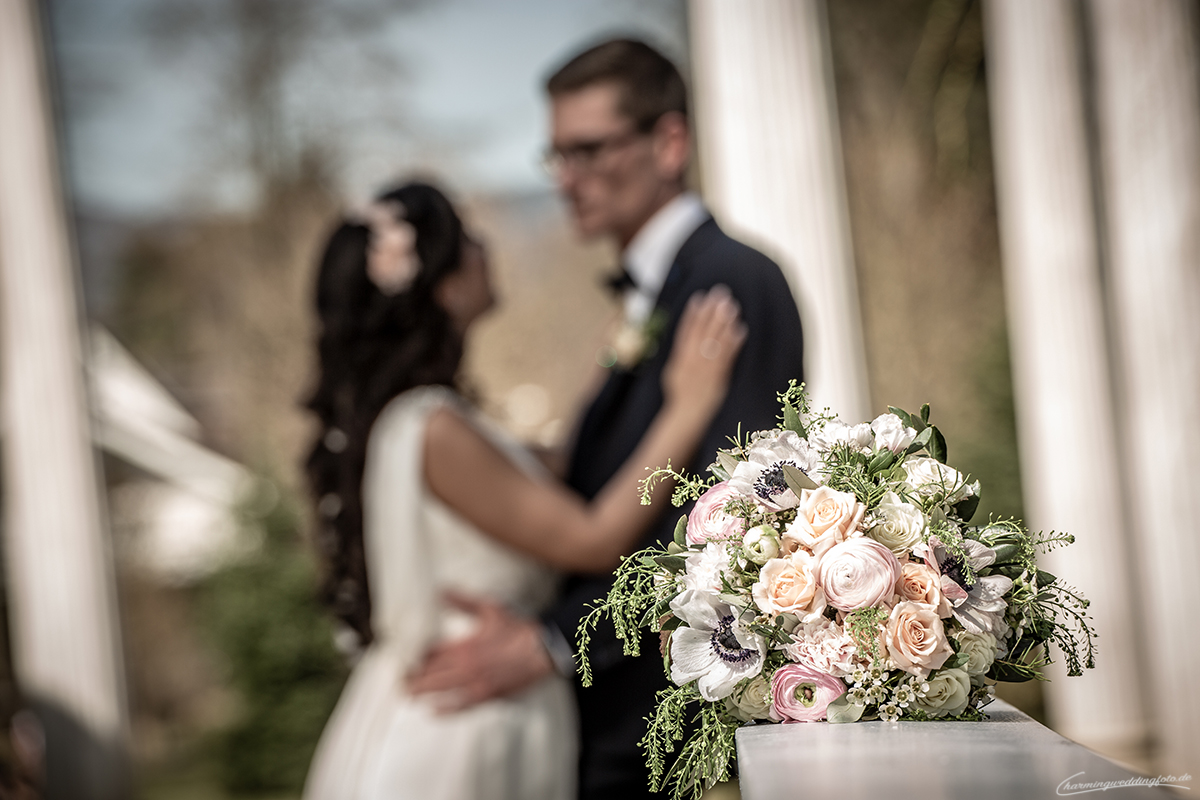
column 466, row 294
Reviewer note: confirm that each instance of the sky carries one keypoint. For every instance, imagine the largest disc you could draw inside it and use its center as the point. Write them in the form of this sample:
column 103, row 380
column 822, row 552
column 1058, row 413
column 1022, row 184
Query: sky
column 455, row 84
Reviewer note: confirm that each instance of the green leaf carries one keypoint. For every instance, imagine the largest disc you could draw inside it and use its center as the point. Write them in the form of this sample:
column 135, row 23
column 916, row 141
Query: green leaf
column 925, row 413
column 796, row 479
column 959, row 660
column 921, row 442
column 791, row 419
column 1005, row 553
column 881, row 461
column 672, row 563
column 728, row 460
column 1045, row 579
column 937, row 444
column 904, row 416
column 842, row 710
column 966, row 509
column 681, row 531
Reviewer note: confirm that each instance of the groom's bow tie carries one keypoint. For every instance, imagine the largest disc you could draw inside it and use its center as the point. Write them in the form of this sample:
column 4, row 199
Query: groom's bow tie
column 618, row 281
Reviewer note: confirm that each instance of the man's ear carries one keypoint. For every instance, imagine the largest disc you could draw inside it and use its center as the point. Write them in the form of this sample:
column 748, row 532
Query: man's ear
column 672, row 146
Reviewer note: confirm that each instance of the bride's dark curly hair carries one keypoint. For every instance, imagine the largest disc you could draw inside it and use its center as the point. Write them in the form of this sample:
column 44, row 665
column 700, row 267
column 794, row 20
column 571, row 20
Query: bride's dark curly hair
column 371, row 347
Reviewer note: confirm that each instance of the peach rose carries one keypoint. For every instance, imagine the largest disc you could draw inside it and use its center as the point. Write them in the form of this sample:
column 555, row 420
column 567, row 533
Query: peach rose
column 708, row 520
column 915, row 638
column 824, row 518
column 858, row 573
column 789, row 585
column 920, row 583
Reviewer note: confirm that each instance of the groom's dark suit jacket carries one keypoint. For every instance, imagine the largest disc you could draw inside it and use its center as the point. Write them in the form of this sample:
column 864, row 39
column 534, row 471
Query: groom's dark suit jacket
column 613, row 709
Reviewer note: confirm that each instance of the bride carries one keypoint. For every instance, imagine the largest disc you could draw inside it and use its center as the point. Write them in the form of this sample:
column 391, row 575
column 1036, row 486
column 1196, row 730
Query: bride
column 418, row 498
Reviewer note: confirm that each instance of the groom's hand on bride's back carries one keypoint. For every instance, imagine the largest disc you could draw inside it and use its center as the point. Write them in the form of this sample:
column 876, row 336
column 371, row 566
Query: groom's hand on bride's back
column 504, row 655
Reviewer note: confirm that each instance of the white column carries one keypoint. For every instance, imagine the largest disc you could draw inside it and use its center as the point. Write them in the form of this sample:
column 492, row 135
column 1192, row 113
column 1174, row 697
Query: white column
column 60, row 582
column 1067, row 430
column 772, row 166
column 1149, row 114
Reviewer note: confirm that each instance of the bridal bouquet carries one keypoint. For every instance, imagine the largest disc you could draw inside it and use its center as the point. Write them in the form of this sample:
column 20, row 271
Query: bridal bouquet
column 831, row 572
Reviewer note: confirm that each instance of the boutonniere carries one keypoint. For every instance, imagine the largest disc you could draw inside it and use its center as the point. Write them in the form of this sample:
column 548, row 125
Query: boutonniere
column 632, row 344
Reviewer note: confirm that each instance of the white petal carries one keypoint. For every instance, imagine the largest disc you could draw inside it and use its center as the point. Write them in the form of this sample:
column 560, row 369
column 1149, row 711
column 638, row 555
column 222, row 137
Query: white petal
column 692, row 655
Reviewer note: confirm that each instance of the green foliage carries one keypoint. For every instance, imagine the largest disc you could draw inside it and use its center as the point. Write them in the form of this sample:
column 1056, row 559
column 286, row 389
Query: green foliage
column 264, row 617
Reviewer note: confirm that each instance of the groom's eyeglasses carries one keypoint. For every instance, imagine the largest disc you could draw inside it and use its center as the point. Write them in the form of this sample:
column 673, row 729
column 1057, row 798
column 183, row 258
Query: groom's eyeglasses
column 585, row 156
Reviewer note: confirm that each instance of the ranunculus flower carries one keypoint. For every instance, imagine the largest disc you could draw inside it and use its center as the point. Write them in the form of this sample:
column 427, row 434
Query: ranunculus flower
column 892, row 434
column 898, row 525
column 824, row 518
column 789, row 585
column 948, row 694
column 915, row 638
column 824, row 646
column 761, row 543
column 921, row 583
column 703, row 570
column 980, row 649
column 858, row 573
column 751, row 699
column 835, row 432
column 800, row 693
column 930, row 478
column 713, row 647
column 760, row 476
column 708, row 519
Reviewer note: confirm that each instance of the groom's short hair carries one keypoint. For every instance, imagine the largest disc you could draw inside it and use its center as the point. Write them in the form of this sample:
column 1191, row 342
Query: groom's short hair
column 648, row 84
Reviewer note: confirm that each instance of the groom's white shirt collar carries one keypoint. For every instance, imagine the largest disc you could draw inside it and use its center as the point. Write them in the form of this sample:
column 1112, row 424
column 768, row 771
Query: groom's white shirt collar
column 652, row 251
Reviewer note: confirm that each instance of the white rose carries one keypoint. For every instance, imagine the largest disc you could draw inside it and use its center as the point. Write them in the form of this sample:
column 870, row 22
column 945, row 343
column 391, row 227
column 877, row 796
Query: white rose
column 892, row 434
column 931, row 478
column 898, row 525
column 980, row 649
column 751, row 700
column 949, row 691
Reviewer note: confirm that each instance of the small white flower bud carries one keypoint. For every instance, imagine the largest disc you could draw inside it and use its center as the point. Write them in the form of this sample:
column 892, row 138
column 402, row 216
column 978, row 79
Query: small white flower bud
column 761, row 543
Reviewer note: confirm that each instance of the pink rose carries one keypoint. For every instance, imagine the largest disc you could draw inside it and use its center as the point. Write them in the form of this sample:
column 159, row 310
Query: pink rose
column 708, row 520
column 915, row 638
column 921, row 583
column 800, row 693
column 858, row 573
column 789, row 585
column 824, row 518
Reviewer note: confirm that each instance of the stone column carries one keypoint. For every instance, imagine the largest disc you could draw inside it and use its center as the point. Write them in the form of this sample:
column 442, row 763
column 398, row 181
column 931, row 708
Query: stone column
column 1148, row 98
column 59, row 569
column 1070, row 465
column 772, row 166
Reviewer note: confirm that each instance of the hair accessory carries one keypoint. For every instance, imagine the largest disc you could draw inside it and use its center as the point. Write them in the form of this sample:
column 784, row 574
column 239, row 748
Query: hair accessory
column 392, row 260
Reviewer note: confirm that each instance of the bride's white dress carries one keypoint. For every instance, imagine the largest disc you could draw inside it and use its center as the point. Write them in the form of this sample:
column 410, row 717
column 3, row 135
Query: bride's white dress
column 381, row 743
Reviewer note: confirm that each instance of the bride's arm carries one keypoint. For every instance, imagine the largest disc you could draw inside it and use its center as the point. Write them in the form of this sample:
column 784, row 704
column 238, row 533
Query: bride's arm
column 547, row 520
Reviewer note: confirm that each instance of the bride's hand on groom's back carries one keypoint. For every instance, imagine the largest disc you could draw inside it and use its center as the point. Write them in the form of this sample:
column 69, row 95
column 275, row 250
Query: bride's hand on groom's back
column 502, row 656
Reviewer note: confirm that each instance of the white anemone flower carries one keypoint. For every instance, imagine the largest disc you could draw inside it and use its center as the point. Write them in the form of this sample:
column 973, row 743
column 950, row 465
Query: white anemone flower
column 713, row 648
column 761, row 475
column 982, row 609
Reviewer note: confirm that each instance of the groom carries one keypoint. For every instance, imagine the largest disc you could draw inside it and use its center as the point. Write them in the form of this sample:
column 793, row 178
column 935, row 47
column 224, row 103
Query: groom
column 621, row 144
